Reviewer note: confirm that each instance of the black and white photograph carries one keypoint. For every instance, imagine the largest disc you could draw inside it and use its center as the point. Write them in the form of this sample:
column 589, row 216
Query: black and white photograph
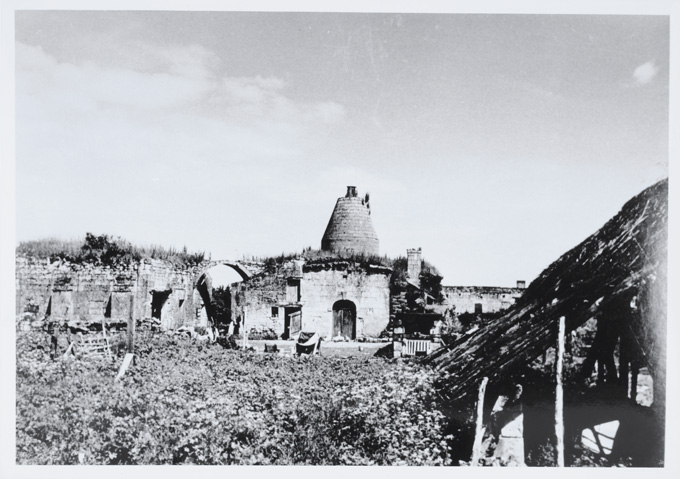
column 419, row 234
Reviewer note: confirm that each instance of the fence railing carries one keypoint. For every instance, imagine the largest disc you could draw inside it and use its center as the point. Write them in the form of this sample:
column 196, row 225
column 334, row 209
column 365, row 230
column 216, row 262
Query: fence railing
column 414, row 346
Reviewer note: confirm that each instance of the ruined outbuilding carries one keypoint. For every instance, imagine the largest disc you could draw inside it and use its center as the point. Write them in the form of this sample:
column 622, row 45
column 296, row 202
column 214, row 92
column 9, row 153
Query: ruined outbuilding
column 87, row 294
column 333, row 297
column 616, row 280
column 344, row 291
column 340, row 294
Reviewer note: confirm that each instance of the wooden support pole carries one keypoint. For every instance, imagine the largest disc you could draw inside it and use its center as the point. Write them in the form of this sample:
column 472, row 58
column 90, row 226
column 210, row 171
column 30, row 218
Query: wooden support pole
column 479, row 425
column 243, row 326
column 129, row 357
column 634, row 371
column 623, row 368
column 559, row 400
column 131, row 326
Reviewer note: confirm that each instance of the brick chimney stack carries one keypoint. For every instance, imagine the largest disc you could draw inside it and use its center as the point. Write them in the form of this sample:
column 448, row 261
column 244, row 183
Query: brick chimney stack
column 414, row 265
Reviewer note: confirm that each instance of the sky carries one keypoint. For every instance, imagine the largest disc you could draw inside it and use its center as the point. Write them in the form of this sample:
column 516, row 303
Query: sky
column 494, row 142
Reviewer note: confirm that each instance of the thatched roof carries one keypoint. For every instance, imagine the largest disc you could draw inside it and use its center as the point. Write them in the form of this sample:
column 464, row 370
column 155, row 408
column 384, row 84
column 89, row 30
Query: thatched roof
column 625, row 261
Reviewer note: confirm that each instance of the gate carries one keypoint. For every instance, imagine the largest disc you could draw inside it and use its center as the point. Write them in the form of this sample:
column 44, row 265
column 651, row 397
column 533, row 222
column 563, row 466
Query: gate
column 295, row 323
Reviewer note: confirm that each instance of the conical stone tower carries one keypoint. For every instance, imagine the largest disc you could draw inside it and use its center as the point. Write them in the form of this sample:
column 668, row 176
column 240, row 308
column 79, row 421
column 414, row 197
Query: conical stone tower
column 350, row 229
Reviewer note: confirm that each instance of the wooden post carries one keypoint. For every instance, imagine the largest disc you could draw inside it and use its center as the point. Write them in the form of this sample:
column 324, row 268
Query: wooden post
column 634, row 371
column 479, row 426
column 129, row 358
column 559, row 400
column 624, row 359
column 245, row 334
column 131, row 326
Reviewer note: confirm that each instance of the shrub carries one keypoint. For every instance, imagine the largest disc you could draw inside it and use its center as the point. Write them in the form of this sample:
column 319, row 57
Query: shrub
column 185, row 402
column 262, row 334
column 221, row 306
column 104, row 249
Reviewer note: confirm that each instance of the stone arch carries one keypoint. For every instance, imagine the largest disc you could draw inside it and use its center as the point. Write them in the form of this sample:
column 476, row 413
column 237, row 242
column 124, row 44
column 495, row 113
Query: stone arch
column 241, row 269
column 203, row 284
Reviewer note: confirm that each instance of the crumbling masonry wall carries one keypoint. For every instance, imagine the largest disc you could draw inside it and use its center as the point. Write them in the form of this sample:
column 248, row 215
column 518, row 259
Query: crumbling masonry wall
column 88, row 293
column 491, row 299
column 264, row 297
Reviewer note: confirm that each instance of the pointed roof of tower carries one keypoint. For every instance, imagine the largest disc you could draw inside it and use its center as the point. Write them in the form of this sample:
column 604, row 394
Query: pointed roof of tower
column 350, row 228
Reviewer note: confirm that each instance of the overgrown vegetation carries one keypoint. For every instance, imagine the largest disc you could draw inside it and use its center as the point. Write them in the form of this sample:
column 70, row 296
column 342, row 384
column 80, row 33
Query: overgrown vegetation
column 221, row 306
column 316, row 256
column 104, row 250
column 185, row 402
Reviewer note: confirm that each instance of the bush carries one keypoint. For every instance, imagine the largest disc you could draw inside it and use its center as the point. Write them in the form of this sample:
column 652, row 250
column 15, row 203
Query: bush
column 104, row 249
column 221, row 306
column 191, row 403
column 263, row 334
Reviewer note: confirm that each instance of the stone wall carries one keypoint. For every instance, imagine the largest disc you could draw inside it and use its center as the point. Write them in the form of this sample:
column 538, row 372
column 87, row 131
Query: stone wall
column 262, row 296
column 368, row 289
column 91, row 293
column 414, row 265
column 320, row 287
column 463, row 299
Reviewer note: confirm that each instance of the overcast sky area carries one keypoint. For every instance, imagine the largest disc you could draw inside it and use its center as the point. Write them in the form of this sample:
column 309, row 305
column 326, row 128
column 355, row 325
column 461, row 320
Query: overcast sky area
column 494, row 142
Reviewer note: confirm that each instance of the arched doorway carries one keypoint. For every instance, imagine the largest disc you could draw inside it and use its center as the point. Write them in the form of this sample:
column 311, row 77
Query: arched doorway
column 213, row 287
column 345, row 319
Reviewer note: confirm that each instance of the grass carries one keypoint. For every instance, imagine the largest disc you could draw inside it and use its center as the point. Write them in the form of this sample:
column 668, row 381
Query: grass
column 104, row 249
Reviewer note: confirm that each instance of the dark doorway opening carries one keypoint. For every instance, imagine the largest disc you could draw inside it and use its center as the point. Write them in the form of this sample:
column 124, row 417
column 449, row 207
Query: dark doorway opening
column 344, row 319
column 292, row 323
column 107, row 308
column 158, row 300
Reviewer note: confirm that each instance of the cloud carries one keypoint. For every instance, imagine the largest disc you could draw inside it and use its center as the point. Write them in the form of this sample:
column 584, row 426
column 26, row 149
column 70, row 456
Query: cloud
column 182, row 104
column 645, row 73
column 141, row 130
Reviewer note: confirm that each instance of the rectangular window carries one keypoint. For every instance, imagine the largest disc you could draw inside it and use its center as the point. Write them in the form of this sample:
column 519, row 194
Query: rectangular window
column 275, row 311
column 478, row 307
column 293, row 291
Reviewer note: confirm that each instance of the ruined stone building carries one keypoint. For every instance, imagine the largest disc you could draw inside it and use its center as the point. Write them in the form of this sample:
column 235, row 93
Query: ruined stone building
column 463, row 299
column 340, row 296
column 330, row 295
column 87, row 293
column 344, row 290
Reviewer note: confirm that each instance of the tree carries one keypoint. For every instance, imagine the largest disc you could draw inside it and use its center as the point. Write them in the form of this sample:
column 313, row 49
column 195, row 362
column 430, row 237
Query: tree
column 221, row 306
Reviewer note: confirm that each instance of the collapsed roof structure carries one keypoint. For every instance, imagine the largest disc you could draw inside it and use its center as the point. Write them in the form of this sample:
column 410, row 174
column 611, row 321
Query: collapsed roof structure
column 618, row 276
